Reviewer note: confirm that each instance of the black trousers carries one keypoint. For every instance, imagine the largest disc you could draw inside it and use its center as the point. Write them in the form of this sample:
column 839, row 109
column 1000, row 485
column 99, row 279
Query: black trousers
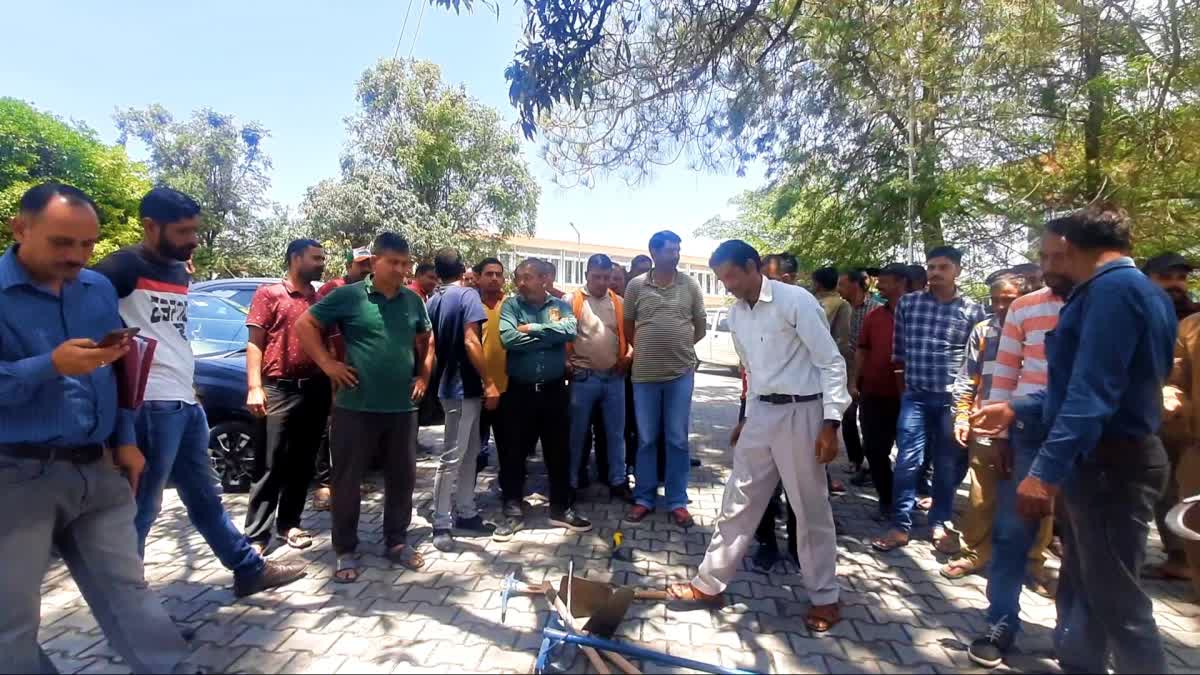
column 283, row 469
column 537, row 413
column 357, row 437
column 1110, row 504
column 879, row 417
column 854, row 448
column 493, row 423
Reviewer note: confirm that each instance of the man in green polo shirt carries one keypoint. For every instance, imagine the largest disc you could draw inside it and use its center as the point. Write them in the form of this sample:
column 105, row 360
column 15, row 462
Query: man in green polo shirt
column 389, row 357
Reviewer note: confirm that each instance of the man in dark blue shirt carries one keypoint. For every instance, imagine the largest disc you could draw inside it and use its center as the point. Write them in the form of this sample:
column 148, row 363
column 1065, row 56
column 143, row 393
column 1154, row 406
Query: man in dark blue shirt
column 64, row 443
column 1108, row 360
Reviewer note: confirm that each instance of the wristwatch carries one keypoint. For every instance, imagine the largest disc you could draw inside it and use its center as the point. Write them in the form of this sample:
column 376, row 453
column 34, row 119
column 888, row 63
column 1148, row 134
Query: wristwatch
column 836, row 424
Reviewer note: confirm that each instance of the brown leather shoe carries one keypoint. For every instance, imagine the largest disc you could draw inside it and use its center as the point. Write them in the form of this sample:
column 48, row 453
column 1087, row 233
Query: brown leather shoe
column 682, row 518
column 273, row 575
column 637, row 514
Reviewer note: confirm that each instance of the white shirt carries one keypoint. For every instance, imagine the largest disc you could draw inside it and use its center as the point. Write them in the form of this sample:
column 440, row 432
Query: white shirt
column 785, row 347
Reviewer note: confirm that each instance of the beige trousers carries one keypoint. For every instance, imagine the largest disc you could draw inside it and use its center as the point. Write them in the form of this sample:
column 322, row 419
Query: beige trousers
column 778, row 442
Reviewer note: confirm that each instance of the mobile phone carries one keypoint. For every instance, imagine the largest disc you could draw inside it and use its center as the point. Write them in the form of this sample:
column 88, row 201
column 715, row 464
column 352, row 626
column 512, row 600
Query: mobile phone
column 115, row 337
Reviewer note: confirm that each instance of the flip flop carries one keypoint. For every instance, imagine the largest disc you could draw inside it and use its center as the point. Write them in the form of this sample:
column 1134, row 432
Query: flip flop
column 891, row 542
column 321, row 500
column 821, row 618
column 348, row 569
column 958, row 569
column 298, row 538
column 406, row 556
column 692, row 595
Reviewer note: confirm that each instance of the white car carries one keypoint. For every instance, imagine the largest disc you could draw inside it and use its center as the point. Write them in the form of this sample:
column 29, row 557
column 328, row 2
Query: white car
column 717, row 346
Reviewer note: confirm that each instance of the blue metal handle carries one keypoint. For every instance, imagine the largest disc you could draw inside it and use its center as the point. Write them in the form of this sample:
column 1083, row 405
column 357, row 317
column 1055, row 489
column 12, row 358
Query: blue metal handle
column 553, row 636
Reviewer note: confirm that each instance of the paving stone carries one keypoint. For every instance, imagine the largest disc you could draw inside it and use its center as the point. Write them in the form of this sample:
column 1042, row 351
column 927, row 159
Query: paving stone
column 215, row 658
column 259, row 661
column 308, row 641
column 304, row 662
column 262, row 638
column 72, row 643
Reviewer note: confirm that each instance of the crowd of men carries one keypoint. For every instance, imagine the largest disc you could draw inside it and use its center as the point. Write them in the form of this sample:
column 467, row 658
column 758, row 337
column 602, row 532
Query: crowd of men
column 1050, row 397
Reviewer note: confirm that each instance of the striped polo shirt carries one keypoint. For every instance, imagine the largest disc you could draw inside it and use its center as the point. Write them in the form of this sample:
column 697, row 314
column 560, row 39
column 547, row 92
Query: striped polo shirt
column 666, row 319
column 1021, row 359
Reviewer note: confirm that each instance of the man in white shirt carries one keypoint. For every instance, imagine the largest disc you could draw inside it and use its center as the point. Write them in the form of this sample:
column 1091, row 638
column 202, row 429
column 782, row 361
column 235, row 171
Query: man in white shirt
column 796, row 398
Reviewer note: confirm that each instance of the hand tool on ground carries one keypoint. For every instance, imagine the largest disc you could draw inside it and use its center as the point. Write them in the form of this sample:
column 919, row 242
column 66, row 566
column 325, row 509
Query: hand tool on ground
column 553, row 637
column 590, row 652
column 569, row 621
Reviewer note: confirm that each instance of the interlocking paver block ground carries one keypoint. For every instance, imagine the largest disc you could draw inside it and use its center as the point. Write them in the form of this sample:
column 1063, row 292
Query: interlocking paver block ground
column 899, row 614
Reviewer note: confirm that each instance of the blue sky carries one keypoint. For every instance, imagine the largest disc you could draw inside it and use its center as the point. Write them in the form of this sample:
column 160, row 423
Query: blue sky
column 292, row 66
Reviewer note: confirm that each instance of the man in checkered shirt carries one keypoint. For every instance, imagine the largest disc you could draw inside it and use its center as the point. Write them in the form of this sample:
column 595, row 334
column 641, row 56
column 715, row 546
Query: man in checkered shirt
column 928, row 348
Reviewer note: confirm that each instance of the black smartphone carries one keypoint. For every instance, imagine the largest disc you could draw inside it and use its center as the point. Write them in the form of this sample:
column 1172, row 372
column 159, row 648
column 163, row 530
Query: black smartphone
column 117, row 336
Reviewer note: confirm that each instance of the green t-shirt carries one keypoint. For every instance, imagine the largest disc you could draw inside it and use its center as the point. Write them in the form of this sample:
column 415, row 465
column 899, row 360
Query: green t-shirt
column 379, row 334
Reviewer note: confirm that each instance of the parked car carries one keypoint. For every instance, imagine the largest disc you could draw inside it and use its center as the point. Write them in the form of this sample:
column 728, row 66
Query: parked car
column 215, row 325
column 217, row 332
column 237, row 291
column 717, row 346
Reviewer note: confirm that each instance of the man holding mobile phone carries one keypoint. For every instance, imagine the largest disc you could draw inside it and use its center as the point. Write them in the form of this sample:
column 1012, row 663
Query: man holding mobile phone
column 63, row 442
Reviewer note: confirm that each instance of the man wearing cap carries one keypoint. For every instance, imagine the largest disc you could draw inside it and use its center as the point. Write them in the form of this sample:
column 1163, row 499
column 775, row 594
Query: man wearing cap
column 358, row 266
column 1169, row 271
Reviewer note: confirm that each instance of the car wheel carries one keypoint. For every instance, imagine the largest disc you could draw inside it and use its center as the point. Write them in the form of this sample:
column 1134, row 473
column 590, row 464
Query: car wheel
column 231, row 450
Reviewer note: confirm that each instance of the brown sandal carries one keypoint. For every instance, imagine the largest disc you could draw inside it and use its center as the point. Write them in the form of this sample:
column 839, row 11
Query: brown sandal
column 821, row 618
column 690, row 594
column 890, row 542
column 406, row 556
column 959, row 569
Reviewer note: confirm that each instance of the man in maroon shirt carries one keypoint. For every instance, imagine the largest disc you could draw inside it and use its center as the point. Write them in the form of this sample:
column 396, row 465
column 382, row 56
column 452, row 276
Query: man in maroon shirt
column 290, row 393
column 876, row 387
column 358, row 266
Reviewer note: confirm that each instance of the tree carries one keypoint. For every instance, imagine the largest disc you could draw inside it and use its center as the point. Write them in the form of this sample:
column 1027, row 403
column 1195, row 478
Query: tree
column 972, row 118
column 37, row 147
column 428, row 159
column 211, row 157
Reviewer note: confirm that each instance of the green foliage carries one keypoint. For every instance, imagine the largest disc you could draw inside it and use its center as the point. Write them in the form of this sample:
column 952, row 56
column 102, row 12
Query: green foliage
column 973, row 119
column 36, row 147
column 428, row 160
column 213, row 158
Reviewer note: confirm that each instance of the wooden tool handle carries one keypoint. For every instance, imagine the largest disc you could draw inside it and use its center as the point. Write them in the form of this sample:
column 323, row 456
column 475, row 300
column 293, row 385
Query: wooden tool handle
column 622, row 663
column 651, row 595
column 590, row 652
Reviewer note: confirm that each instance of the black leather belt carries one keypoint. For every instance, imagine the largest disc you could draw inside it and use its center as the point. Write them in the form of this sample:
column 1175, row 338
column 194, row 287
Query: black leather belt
column 781, row 399
column 289, row 381
column 537, row 386
column 80, row 454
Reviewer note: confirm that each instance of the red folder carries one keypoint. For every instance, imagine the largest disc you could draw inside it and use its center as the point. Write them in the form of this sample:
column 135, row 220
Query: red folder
column 133, row 371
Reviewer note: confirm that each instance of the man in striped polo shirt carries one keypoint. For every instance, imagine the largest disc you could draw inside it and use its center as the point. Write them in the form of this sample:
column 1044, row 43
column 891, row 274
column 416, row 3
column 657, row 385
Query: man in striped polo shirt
column 664, row 319
column 1020, row 370
column 971, row 387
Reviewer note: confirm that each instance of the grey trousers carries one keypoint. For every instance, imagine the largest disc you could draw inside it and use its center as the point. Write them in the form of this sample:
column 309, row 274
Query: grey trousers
column 86, row 511
column 454, row 480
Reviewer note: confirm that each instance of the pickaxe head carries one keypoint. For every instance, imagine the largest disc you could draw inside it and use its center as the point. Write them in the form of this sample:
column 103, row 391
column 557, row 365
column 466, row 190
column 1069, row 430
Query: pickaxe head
column 506, row 588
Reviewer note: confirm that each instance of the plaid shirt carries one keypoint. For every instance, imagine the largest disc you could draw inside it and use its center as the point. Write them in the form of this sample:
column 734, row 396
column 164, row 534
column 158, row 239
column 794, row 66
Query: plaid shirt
column 930, row 339
column 856, row 320
column 973, row 384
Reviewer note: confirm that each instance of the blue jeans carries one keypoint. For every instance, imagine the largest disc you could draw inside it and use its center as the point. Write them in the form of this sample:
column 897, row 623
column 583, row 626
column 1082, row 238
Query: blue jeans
column 659, row 407
column 173, row 435
column 587, row 388
column 1012, row 537
column 926, row 425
